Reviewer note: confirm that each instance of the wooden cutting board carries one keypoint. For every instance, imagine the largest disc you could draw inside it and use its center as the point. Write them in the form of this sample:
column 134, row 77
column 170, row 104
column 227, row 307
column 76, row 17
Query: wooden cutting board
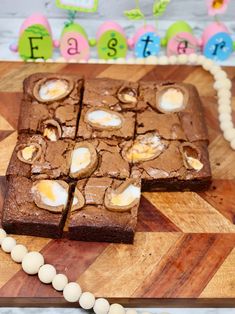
column 184, row 250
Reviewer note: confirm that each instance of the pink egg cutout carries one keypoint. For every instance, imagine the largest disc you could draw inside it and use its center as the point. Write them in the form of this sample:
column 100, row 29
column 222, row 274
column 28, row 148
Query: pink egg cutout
column 74, row 45
column 106, row 26
column 142, row 30
column 36, row 18
column 213, row 29
column 182, row 43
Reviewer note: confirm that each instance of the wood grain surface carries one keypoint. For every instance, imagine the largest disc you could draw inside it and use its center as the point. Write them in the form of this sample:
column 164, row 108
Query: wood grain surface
column 184, row 249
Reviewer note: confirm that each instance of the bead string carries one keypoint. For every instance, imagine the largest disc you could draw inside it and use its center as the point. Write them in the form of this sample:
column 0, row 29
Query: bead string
column 33, row 262
column 222, row 83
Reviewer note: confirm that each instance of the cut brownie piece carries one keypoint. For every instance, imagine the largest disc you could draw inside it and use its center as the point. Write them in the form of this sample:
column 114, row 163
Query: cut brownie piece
column 98, row 158
column 35, row 208
column 99, row 122
column 51, row 105
column 168, row 165
column 36, row 157
column 174, row 99
column 112, row 94
column 106, row 211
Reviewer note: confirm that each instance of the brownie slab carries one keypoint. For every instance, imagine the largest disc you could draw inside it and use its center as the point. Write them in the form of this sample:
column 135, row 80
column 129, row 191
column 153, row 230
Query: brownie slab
column 95, row 221
column 51, row 105
column 36, row 157
column 23, row 212
column 98, row 158
column 117, row 95
column 179, row 102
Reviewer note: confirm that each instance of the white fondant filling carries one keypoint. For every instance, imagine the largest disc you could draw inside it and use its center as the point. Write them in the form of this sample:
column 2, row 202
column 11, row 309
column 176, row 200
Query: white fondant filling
column 129, row 195
column 52, row 194
column 171, row 100
column 53, row 89
column 81, row 158
column 104, row 118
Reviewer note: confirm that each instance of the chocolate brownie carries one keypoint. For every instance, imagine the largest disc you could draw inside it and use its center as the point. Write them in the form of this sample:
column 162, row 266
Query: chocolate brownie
column 51, row 105
column 168, row 164
column 36, row 157
column 182, row 106
column 117, row 95
column 99, row 122
column 98, row 158
column 104, row 210
column 35, row 208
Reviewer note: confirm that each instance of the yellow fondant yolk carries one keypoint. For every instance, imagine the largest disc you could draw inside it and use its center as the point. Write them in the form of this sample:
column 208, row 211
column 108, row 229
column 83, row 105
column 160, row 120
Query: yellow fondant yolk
column 27, row 152
column 217, row 4
column 45, row 189
column 56, row 89
column 173, row 96
column 50, row 134
column 194, row 163
column 120, row 200
column 140, row 151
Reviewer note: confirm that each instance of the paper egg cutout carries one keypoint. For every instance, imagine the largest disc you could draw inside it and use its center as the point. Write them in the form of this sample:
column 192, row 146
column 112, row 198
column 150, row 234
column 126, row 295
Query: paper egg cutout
column 111, row 41
column 147, row 45
column 179, row 39
column 74, row 43
column 216, row 42
column 35, row 43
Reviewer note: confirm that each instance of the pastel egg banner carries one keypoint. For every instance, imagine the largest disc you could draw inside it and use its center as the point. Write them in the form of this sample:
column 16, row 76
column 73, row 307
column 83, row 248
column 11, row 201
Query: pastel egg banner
column 179, row 39
column 111, row 41
column 74, row 43
column 145, row 42
column 217, row 42
column 35, row 38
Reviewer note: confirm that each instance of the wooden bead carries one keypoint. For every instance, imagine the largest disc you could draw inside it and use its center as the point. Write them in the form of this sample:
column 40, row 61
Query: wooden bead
column 192, row 58
column 3, row 235
column 182, row 59
column 72, row 292
column 8, row 243
column 46, row 273
column 18, row 253
column 172, row 59
column 87, row 300
column 224, row 109
column 131, row 311
column 116, row 309
column 32, row 262
column 225, row 117
column 163, row 60
column 224, row 93
column 233, row 144
column 101, row 306
column 229, row 134
column 224, row 125
column 59, row 282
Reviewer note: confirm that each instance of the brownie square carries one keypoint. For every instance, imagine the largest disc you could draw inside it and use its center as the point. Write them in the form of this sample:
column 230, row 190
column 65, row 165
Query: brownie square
column 21, row 215
column 90, row 124
column 44, row 108
column 117, row 95
column 190, row 116
column 104, row 159
column 170, row 170
column 94, row 221
column 36, row 157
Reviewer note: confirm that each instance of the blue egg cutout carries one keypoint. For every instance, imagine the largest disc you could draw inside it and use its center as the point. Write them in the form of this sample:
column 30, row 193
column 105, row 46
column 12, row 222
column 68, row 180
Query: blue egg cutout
column 147, row 45
column 219, row 47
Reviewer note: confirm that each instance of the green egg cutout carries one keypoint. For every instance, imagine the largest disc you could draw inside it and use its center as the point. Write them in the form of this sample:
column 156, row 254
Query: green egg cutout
column 112, row 45
column 35, row 42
